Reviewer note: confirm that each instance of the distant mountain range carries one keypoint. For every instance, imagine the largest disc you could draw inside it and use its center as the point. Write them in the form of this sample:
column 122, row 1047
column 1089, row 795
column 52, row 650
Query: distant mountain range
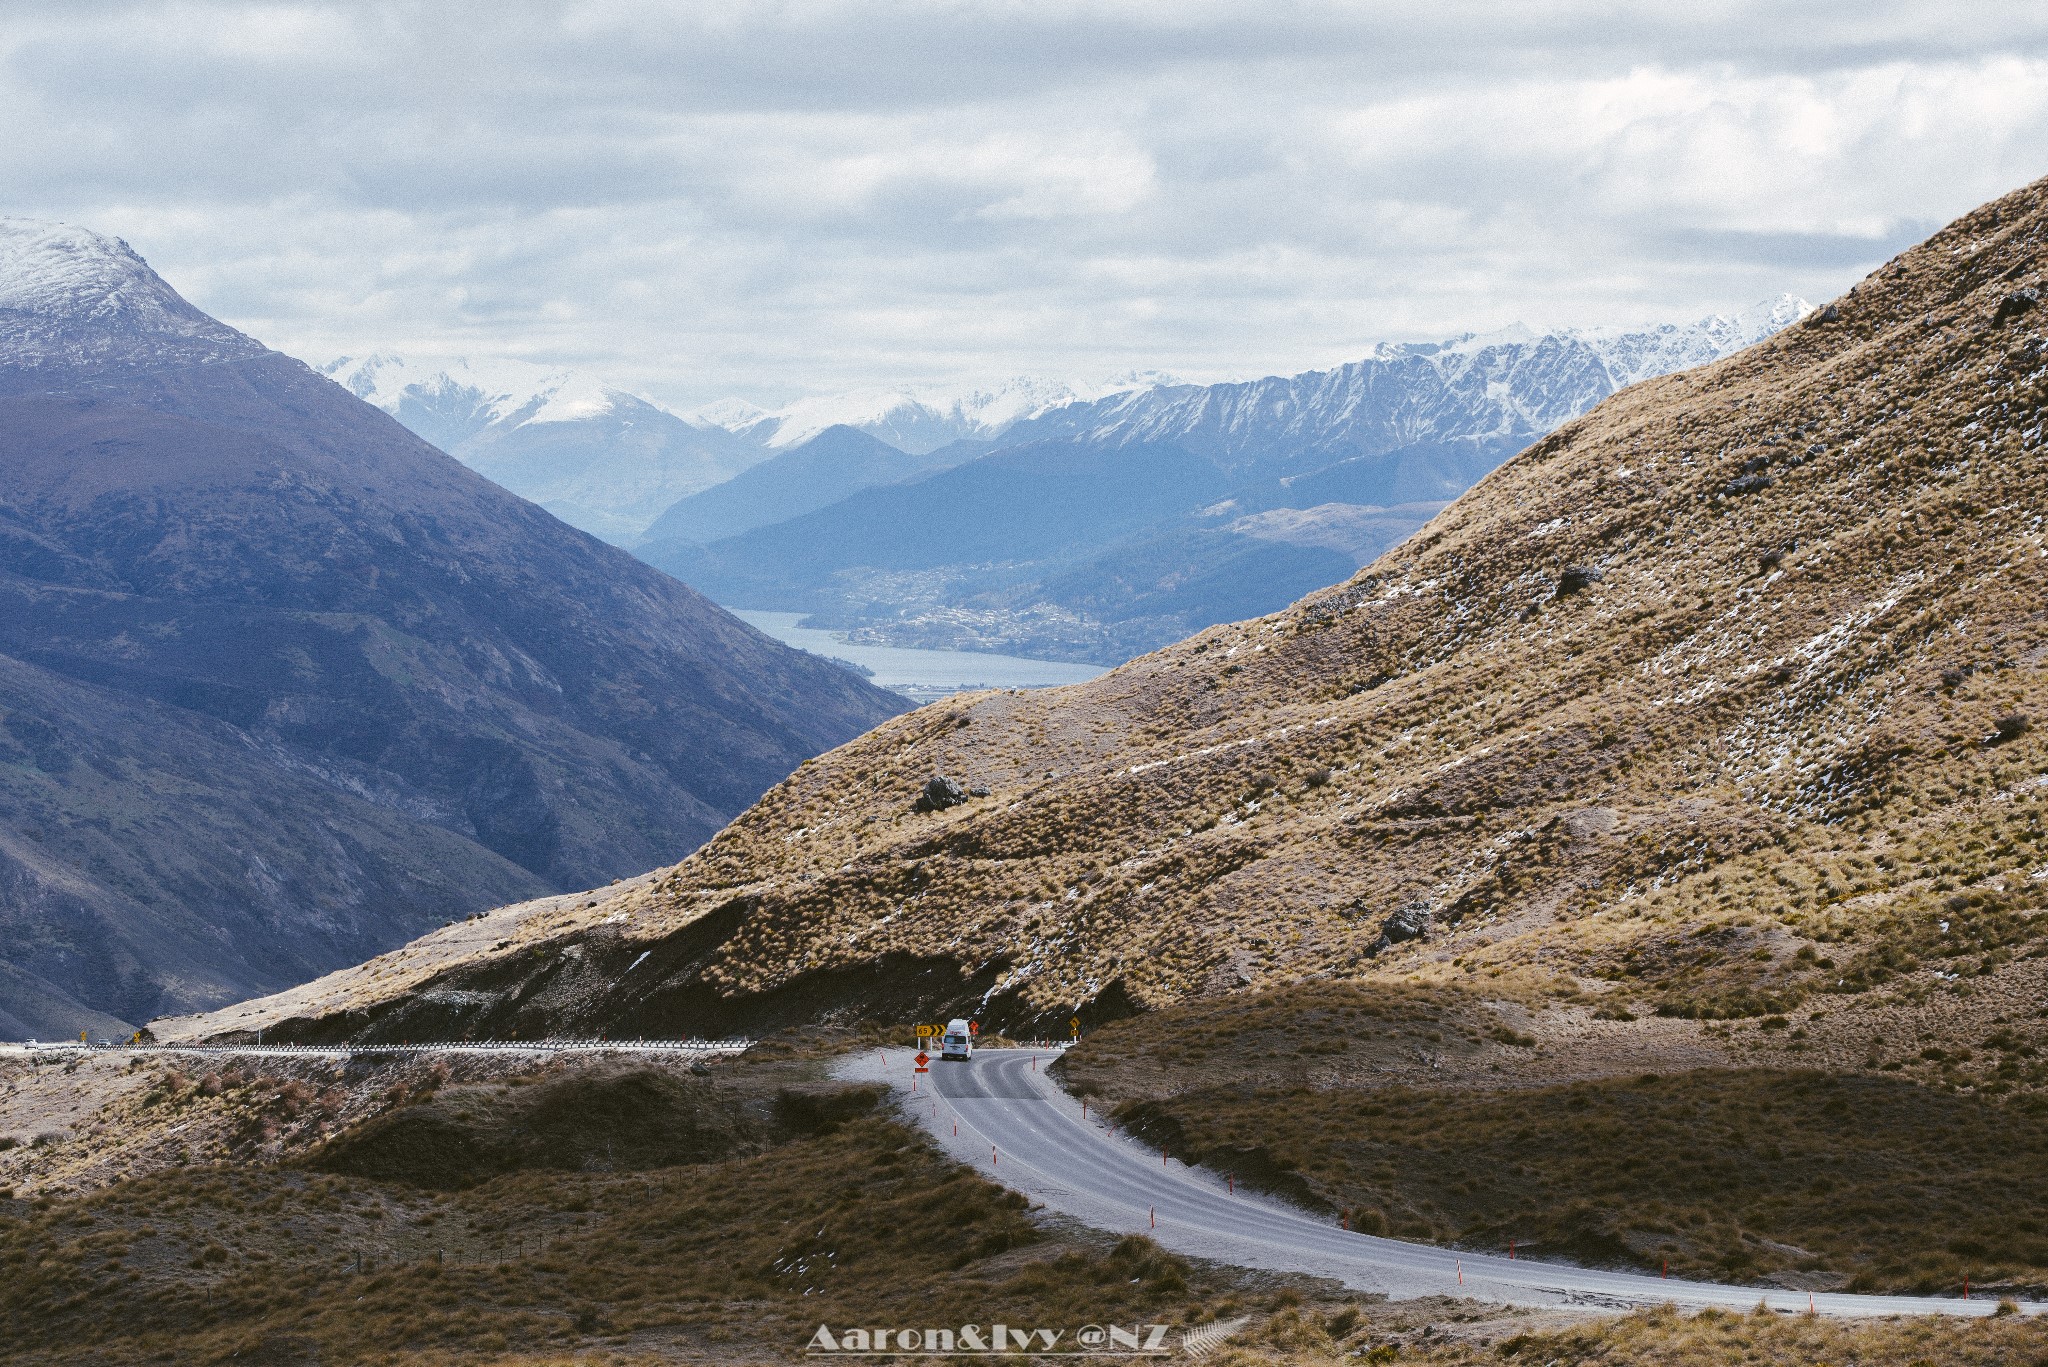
column 1104, row 527
column 872, row 512
column 610, row 462
column 281, row 684
column 918, row 420
column 1508, row 385
column 597, row 457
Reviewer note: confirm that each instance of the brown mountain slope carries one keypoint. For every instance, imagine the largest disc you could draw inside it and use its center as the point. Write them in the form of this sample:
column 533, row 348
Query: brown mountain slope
column 1713, row 700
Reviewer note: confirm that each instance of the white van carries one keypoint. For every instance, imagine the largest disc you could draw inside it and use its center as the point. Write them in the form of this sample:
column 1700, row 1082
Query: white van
column 958, row 1042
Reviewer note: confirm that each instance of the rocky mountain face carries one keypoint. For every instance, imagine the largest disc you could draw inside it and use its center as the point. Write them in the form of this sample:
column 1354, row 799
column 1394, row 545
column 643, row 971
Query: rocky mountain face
column 1266, row 490
column 1722, row 700
column 282, row 685
column 594, row 455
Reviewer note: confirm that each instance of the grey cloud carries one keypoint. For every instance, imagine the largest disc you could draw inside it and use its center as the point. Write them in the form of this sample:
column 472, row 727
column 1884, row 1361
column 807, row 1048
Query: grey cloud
column 1797, row 251
column 768, row 198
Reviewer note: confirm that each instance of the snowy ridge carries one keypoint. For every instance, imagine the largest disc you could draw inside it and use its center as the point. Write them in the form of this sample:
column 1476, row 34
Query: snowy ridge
column 1498, row 384
column 1514, row 383
column 597, row 456
column 1633, row 355
column 68, row 294
column 916, row 420
column 496, row 390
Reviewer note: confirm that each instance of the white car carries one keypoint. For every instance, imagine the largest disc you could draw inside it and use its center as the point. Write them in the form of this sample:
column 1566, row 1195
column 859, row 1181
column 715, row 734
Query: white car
column 958, row 1041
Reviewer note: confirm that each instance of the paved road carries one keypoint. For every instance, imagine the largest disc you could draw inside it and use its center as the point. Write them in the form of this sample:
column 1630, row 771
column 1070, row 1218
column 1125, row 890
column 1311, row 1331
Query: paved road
column 1001, row 1114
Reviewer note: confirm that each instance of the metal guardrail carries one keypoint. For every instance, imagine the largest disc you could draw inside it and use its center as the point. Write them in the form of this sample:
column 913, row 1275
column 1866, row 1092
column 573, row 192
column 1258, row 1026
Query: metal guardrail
column 734, row 1045
column 540, row 1046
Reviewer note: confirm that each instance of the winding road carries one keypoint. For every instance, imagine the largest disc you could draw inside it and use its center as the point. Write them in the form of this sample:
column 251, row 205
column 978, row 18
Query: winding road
column 1000, row 1113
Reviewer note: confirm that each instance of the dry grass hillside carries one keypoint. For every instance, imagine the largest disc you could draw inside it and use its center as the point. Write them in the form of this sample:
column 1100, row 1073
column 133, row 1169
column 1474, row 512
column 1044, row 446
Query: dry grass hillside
column 1722, row 701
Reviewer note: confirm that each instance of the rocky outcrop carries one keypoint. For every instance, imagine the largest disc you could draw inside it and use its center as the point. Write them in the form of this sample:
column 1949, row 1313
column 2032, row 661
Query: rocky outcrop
column 1410, row 922
column 939, row 793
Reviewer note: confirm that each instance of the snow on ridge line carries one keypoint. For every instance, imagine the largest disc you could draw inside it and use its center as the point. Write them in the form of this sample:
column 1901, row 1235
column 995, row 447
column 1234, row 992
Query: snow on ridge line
column 52, row 268
column 925, row 417
column 1630, row 353
column 61, row 284
column 1707, row 338
column 506, row 389
column 984, row 410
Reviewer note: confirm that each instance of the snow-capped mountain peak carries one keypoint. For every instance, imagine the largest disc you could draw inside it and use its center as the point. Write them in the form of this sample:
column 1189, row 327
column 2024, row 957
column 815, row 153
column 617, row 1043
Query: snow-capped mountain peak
column 1635, row 354
column 597, row 456
column 1496, row 387
column 496, row 390
column 731, row 414
column 1464, row 344
column 68, row 292
column 1533, row 381
column 918, row 419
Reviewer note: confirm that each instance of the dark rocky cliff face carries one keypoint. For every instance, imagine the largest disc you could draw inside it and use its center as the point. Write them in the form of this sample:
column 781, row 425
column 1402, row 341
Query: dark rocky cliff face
column 282, row 685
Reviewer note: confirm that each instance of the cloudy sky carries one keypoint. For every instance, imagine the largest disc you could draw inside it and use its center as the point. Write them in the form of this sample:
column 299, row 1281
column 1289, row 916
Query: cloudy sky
column 788, row 197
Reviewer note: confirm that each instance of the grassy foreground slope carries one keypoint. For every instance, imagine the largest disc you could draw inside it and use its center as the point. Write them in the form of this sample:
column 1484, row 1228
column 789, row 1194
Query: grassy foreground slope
column 1718, row 701
column 615, row 1212
column 1422, row 1113
column 589, row 1212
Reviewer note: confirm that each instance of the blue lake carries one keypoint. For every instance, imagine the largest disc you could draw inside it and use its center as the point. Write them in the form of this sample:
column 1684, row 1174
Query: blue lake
column 923, row 674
